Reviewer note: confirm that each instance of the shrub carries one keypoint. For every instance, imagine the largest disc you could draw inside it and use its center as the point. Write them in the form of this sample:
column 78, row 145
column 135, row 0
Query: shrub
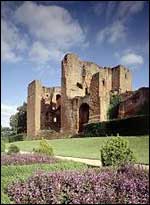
column 20, row 159
column 44, row 148
column 13, row 149
column 2, row 146
column 137, row 125
column 16, row 137
column 128, row 185
column 116, row 152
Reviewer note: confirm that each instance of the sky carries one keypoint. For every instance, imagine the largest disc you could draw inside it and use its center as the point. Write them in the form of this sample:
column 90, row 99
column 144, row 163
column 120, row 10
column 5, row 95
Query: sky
column 35, row 36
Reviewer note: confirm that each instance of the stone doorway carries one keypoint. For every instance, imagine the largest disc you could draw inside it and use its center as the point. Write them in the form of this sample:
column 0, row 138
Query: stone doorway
column 83, row 115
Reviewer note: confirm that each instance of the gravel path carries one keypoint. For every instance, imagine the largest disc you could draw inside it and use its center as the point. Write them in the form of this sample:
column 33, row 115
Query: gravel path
column 92, row 162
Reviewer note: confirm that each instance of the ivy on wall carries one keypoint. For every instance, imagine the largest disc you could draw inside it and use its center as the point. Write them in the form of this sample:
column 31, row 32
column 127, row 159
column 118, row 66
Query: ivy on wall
column 112, row 112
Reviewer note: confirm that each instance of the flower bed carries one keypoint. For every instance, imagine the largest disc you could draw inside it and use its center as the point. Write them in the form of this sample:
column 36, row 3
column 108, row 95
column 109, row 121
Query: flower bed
column 93, row 186
column 21, row 159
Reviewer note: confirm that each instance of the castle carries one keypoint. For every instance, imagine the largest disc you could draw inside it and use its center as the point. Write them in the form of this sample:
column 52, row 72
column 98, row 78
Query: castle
column 84, row 96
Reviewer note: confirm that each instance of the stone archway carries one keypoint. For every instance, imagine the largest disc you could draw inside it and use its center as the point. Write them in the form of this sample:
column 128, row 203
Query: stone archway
column 83, row 115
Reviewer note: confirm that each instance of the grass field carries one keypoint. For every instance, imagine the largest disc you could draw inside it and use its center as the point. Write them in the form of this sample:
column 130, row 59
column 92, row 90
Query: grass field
column 13, row 173
column 90, row 147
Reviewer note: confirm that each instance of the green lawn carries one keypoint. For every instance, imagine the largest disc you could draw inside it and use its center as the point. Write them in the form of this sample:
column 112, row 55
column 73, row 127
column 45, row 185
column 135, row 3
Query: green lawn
column 90, row 147
column 13, row 173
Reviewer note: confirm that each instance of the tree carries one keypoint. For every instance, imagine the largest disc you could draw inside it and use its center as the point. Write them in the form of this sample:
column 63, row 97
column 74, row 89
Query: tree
column 18, row 122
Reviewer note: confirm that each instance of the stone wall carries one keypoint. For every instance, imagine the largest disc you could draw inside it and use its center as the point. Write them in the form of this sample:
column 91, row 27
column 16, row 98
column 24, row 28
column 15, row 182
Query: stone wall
column 132, row 104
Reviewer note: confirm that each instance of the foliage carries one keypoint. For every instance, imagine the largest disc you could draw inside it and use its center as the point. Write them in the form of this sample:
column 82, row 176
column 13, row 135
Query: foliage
column 18, row 122
column 19, row 172
column 2, row 146
column 16, row 137
column 131, row 126
column 13, row 149
column 44, row 148
column 6, row 133
column 116, row 152
column 20, row 159
column 114, row 105
column 127, row 185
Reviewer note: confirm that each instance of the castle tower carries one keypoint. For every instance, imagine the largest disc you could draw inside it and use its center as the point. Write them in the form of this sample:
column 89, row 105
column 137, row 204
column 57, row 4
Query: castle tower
column 121, row 79
column 34, row 108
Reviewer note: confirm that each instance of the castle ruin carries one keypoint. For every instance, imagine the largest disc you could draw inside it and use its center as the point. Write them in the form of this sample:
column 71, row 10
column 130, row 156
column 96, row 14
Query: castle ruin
column 84, row 96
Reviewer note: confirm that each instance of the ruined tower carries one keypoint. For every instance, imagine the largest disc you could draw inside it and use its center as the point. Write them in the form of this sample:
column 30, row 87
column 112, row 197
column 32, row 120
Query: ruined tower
column 84, row 96
column 34, row 108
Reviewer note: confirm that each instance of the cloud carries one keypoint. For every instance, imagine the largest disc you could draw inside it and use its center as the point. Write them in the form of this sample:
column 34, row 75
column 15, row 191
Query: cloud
column 127, row 9
column 131, row 59
column 12, row 44
column 6, row 112
column 38, row 33
column 118, row 13
column 50, row 24
column 38, row 52
column 113, row 33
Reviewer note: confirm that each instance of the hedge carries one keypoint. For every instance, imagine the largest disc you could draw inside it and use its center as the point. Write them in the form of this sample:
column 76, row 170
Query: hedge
column 137, row 125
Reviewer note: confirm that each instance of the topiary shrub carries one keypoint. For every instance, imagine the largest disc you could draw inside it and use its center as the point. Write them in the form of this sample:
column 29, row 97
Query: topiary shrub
column 13, row 149
column 44, row 148
column 2, row 146
column 116, row 152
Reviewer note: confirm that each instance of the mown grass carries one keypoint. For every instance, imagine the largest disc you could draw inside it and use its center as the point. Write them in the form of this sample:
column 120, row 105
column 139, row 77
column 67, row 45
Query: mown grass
column 13, row 173
column 90, row 147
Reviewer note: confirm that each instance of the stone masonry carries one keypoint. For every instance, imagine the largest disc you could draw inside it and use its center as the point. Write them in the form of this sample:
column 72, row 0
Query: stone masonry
column 84, row 96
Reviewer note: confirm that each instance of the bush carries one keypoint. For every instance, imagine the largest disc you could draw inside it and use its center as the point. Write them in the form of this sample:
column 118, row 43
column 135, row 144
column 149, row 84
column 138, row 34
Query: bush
column 16, row 137
column 44, row 148
column 2, row 146
column 116, row 152
column 13, row 149
column 137, row 125
column 128, row 185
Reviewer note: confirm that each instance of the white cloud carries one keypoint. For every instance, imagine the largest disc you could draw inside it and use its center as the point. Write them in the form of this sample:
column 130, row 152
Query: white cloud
column 39, row 33
column 39, row 53
column 6, row 112
column 113, row 33
column 51, row 24
column 128, row 8
column 118, row 13
column 131, row 59
column 12, row 43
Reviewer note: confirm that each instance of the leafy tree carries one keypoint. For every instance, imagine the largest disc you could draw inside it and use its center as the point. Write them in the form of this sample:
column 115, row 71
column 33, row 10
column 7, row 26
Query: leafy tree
column 18, row 122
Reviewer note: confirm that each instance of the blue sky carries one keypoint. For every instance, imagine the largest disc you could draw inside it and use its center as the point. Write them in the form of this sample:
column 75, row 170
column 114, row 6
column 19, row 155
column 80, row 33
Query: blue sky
column 36, row 35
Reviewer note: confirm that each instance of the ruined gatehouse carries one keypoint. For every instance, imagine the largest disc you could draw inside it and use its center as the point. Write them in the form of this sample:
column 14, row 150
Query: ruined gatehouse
column 84, row 96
